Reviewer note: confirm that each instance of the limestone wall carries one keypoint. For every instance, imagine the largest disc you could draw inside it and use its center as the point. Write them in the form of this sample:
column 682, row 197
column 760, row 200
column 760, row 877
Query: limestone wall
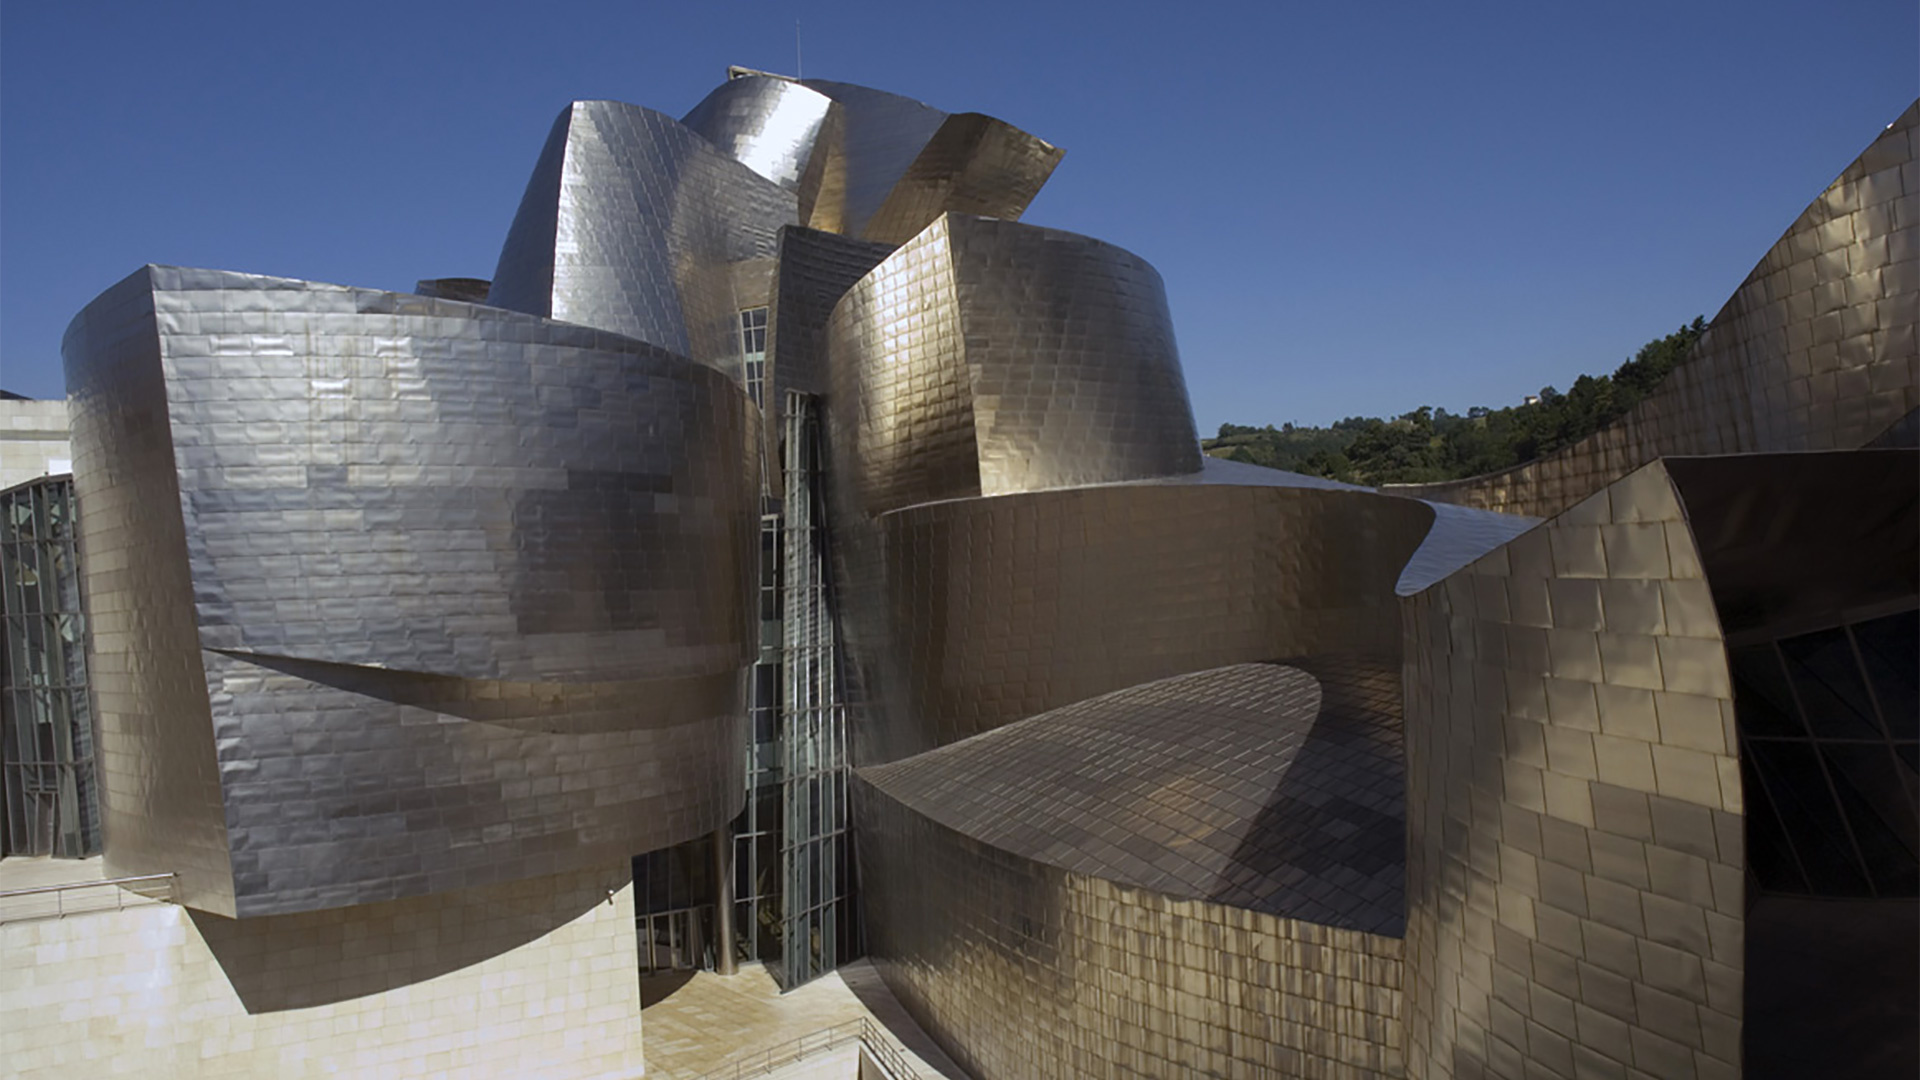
column 532, row 978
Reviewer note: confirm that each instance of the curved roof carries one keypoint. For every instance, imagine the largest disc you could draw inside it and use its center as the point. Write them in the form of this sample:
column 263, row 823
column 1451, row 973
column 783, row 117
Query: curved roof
column 1272, row 787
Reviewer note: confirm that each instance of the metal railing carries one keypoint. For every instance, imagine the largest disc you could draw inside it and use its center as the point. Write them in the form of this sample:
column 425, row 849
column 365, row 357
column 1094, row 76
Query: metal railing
column 81, row 897
column 870, row 1036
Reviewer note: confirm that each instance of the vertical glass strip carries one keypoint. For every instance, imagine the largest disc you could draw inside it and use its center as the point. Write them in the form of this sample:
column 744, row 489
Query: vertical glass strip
column 812, row 722
column 47, row 786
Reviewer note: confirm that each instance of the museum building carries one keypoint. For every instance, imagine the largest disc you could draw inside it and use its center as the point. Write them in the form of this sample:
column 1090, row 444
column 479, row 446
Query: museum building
column 790, row 556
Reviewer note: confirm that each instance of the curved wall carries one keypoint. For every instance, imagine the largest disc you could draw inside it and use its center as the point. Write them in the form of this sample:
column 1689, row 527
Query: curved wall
column 393, row 595
column 1198, row 876
column 633, row 223
column 974, row 613
column 1815, row 351
column 1576, row 829
column 987, row 357
column 774, row 127
column 973, row 164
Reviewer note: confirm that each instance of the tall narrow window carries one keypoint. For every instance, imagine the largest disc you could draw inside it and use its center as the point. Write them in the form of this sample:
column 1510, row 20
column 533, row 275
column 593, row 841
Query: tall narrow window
column 753, row 351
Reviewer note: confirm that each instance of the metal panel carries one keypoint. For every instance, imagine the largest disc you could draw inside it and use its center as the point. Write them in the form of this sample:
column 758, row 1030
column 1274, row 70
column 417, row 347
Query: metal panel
column 972, row 613
column 635, row 224
column 973, row 164
column 772, row 126
column 1816, row 350
column 1575, row 885
column 986, row 357
column 461, row 618
column 1198, row 876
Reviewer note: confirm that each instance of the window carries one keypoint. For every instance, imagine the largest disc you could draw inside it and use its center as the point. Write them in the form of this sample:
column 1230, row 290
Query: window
column 753, row 351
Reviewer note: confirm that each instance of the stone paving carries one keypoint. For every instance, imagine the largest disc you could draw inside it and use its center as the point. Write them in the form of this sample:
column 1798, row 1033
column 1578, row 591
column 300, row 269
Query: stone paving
column 699, row 1025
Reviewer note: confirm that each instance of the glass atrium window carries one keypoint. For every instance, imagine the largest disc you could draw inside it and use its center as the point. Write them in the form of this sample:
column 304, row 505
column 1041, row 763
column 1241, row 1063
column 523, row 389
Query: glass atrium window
column 47, row 791
column 753, row 350
column 1830, row 755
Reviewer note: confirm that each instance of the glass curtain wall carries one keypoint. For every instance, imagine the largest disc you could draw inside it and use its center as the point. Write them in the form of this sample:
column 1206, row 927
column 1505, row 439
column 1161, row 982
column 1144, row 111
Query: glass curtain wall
column 49, row 803
column 1830, row 755
column 814, row 857
column 673, row 892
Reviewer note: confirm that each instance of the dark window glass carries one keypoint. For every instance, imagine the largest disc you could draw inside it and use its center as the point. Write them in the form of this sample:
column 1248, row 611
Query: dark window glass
column 1880, row 814
column 1890, row 647
column 1761, row 699
column 1833, row 696
column 1769, row 855
column 1809, row 818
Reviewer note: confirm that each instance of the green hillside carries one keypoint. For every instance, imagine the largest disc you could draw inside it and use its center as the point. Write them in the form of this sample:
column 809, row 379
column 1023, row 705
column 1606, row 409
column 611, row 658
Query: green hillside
column 1430, row 444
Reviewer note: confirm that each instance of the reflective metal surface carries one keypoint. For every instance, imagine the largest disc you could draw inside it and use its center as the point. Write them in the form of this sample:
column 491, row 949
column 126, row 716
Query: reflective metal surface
column 393, row 595
column 1575, row 875
column 974, row 613
column 973, row 164
column 894, row 165
column 986, row 357
column 1272, row 787
column 772, row 126
column 1177, row 879
column 635, row 224
column 398, row 595
column 1815, row 351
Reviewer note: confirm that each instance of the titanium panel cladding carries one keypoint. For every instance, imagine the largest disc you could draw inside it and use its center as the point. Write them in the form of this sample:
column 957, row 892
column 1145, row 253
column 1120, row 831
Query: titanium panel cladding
column 974, row 164
column 1272, row 787
column 979, row 612
column 395, row 595
column 631, row 223
column 773, row 126
column 1009, row 881
column 873, row 146
column 814, row 270
column 987, row 357
column 1575, row 877
column 1815, row 351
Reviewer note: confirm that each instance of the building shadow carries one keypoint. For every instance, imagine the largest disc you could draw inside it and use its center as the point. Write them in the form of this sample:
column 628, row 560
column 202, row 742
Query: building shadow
column 298, row 961
column 1329, row 845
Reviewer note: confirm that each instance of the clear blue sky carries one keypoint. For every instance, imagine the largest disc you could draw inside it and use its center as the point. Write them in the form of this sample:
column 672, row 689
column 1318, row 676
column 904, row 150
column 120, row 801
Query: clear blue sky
column 1358, row 207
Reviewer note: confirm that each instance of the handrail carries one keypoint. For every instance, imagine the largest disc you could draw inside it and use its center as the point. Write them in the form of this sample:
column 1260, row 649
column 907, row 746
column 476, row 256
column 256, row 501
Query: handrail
column 123, row 887
column 861, row 1030
column 66, row 885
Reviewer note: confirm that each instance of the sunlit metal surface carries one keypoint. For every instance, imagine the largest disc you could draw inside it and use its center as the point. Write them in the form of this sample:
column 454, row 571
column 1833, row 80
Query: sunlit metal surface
column 871, row 148
column 973, row 613
column 772, row 126
column 635, row 224
column 1575, row 874
column 973, row 164
column 1815, row 351
column 1200, row 876
column 894, row 165
column 813, row 271
column 986, row 358
column 393, row 595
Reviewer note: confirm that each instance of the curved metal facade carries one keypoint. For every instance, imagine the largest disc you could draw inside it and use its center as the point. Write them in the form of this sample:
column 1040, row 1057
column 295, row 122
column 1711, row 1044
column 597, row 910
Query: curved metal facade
column 635, row 224
column 394, row 595
column 1815, row 351
column 987, row 358
column 1195, row 876
column 894, row 165
column 979, row 612
column 1576, row 849
column 774, row 127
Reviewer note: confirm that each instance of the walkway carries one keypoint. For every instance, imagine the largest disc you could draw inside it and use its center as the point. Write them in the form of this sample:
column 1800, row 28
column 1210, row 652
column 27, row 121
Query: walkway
column 692, row 1027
